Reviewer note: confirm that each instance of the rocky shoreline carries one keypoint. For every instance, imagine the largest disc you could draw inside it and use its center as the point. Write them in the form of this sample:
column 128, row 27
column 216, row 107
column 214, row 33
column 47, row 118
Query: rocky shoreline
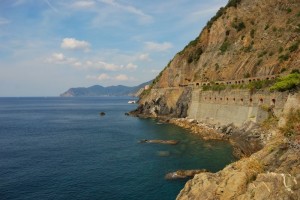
column 245, row 140
column 271, row 173
column 268, row 167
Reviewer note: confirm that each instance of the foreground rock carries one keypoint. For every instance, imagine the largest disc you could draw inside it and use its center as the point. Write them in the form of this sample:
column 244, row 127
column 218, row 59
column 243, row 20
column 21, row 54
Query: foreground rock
column 171, row 142
column 270, row 173
column 182, row 174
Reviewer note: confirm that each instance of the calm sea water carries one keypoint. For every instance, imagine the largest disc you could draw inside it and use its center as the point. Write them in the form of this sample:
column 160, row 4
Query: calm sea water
column 60, row 148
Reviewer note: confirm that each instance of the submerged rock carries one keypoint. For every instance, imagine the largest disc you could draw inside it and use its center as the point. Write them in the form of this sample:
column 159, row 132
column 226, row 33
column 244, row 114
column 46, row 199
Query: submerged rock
column 163, row 153
column 181, row 174
column 172, row 142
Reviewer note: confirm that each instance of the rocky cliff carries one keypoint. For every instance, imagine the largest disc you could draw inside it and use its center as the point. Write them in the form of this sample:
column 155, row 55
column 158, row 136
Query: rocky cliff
column 248, row 40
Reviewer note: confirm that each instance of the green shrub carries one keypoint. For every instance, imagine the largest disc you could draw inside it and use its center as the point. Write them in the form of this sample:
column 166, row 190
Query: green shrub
column 280, row 49
column 267, row 27
column 195, row 55
column 260, row 84
column 221, row 11
column 224, row 46
column 214, row 87
column 288, row 82
column 297, row 30
column 288, row 10
column 294, row 46
column 258, row 62
column 191, row 44
column 261, row 54
column 284, row 57
column 205, row 87
column 233, row 3
column 248, row 48
column 217, row 66
column 295, row 71
column 238, row 26
column 283, row 70
column 218, row 87
column 252, row 32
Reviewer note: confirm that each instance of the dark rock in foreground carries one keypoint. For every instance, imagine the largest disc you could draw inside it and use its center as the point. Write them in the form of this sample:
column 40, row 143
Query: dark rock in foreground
column 181, row 174
column 172, row 142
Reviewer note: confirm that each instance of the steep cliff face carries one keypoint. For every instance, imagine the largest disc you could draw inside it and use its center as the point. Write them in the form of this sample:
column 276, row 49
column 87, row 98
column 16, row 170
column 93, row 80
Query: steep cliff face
column 256, row 38
column 247, row 38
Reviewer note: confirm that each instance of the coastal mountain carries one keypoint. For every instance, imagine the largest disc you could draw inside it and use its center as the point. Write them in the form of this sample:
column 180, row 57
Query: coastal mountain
column 245, row 39
column 239, row 81
column 98, row 90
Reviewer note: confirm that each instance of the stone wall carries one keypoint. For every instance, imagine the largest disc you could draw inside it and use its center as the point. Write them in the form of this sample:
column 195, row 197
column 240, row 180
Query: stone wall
column 235, row 106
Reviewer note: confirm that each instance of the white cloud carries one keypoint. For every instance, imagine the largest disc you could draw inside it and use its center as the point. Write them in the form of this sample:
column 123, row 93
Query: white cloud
column 60, row 58
column 4, row 21
column 130, row 66
column 56, row 58
column 122, row 77
column 107, row 66
column 83, row 4
column 72, row 43
column 100, row 65
column 144, row 57
column 144, row 17
column 106, row 77
column 153, row 46
column 77, row 64
column 103, row 77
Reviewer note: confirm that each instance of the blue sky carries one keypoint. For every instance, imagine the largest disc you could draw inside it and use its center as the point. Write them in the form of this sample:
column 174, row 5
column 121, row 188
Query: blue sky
column 48, row 46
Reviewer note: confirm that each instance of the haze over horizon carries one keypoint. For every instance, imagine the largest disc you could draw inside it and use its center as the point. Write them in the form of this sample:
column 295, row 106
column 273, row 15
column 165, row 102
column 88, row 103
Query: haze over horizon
column 49, row 46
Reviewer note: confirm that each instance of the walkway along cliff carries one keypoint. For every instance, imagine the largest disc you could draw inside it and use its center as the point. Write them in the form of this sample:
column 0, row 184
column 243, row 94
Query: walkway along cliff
column 224, row 77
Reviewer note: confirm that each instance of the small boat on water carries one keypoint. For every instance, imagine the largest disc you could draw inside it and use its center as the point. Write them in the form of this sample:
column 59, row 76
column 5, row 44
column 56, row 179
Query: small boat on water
column 132, row 102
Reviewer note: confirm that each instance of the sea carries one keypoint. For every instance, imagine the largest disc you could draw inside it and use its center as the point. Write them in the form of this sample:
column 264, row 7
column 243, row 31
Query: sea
column 63, row 149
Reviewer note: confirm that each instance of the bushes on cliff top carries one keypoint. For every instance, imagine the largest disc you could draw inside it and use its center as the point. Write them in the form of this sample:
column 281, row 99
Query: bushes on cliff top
column 221, row 11
column 233, row 3
column 214, row 87
column 289, row 82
